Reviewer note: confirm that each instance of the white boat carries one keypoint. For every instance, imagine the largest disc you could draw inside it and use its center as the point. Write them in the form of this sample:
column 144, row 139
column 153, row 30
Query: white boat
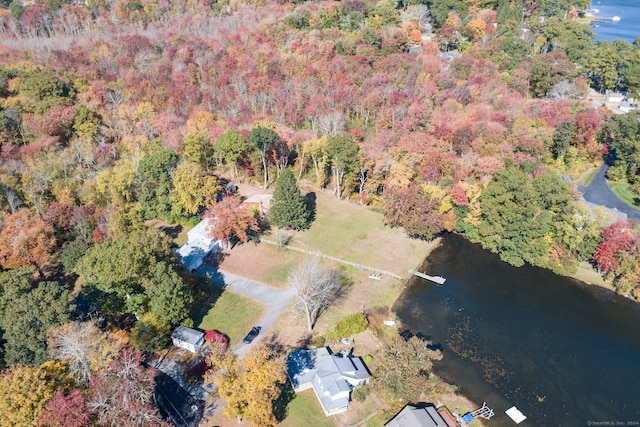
column 615, row 18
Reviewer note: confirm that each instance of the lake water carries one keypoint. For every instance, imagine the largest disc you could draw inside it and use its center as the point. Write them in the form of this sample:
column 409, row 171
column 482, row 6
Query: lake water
column 627, row 28
column 565, row 353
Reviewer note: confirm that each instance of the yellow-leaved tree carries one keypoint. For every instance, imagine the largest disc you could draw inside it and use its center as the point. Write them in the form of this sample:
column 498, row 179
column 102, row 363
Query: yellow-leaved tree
column 26, row 389
column 249, row 386
column 193, row 188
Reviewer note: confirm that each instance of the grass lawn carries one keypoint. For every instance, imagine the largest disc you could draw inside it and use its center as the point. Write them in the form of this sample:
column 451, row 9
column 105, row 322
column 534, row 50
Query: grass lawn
column 352, row 232
column 263, row 263
column 622, row 190
column 233, row 315
column 305, row 410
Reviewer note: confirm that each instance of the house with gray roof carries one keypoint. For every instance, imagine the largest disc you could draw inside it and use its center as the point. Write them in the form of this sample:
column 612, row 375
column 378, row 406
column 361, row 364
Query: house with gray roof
column 426, row 416
column 332, row 376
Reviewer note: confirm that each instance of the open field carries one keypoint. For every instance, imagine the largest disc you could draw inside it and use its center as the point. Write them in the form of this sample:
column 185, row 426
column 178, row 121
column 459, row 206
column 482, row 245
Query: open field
column 343, row 230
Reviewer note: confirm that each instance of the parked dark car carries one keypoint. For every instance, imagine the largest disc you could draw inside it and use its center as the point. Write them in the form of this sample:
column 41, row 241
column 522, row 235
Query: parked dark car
column 253, row 333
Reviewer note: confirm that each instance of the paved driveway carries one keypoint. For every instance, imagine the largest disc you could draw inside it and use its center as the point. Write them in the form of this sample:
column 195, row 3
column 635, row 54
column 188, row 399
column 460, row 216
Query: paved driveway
column 275, row 300
column 598, row 192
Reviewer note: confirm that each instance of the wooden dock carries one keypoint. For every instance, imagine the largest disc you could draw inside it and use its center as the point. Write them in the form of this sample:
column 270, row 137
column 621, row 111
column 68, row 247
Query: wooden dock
column 437, row 279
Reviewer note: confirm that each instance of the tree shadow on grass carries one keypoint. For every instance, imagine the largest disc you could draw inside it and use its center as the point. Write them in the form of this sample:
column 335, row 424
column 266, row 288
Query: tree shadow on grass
column 173, row 231
column 310, row 198
column 281, row 404
column 211, row 284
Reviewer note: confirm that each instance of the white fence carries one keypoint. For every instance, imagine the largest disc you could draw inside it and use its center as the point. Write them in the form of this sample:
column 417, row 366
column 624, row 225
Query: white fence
column 332, row 258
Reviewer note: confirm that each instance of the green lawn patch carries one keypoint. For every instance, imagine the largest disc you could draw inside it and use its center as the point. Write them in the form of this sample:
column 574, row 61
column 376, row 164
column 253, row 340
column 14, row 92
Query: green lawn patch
column 305, row 410
column 341, row 226
column 623, row 191
column 233, row 315
column 588, row 177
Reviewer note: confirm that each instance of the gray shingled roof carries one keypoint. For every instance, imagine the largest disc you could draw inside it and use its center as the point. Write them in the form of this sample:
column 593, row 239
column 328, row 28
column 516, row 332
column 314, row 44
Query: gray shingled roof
column 187, row 335
column 410, row 416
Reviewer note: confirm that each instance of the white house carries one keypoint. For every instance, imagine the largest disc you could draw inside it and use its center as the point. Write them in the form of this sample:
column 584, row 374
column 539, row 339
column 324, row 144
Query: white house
column 187, row 338
column 332, row 376
column 199, row 245
column 614, row 97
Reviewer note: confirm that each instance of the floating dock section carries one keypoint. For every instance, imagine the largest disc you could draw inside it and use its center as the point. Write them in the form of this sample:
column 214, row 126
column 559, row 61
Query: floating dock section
column 515, row 415
column 437, row 279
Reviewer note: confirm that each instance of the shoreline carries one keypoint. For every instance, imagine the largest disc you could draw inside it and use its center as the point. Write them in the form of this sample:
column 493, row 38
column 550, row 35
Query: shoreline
column 452, row 399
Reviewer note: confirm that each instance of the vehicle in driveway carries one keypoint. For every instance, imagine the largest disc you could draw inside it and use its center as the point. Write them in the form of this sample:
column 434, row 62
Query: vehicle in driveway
column 253, row 333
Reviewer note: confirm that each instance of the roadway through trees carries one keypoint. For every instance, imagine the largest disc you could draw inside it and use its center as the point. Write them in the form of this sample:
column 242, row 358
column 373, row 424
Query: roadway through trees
column 598, row 192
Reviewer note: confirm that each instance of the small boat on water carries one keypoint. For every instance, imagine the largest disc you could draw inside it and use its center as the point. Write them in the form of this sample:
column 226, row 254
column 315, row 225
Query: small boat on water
column 437, row 279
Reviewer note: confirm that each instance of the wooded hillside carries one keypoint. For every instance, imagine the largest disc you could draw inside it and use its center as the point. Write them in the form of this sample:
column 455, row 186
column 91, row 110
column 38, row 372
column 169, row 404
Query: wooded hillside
column 116, row 112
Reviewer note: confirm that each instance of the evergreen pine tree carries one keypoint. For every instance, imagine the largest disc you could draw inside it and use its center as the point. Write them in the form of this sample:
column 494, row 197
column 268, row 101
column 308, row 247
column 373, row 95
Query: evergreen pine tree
column 288, row 208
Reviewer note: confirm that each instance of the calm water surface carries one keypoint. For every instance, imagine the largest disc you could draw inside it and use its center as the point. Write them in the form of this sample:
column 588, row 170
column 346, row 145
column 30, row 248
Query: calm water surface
column 565, row 353
column 627, row 28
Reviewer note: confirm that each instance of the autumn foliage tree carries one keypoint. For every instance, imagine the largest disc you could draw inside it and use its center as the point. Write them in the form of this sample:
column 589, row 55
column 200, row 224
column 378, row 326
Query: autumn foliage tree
column 413, row 209
column 615, row 238
column 84, row 347
column 123, row 394
column 404, row 366
column 26, row 240
column 249, row 386
column 65, row 410
column 27, row 389
column 232, row 220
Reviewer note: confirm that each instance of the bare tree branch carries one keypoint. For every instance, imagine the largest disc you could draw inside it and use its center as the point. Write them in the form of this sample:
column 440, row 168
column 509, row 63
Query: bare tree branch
column 316, row 288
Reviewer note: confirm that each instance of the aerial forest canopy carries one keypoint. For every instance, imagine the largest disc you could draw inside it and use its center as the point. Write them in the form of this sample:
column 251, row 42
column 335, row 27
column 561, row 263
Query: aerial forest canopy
column 113, row 113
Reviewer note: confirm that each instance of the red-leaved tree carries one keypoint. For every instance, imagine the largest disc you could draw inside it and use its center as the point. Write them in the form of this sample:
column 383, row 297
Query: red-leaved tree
column 65, row 411
column 232, row 220
column 26, row 240
column 615, row 238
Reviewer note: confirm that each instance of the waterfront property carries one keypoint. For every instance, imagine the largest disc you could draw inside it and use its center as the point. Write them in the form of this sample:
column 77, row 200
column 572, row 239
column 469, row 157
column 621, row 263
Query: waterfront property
column 422, row 416
column 332, row 376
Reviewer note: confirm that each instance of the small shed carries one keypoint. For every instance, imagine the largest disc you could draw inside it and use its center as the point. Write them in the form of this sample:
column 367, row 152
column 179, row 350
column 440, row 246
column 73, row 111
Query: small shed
column 261, row 202
column 614, row 97
column 187, row 338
